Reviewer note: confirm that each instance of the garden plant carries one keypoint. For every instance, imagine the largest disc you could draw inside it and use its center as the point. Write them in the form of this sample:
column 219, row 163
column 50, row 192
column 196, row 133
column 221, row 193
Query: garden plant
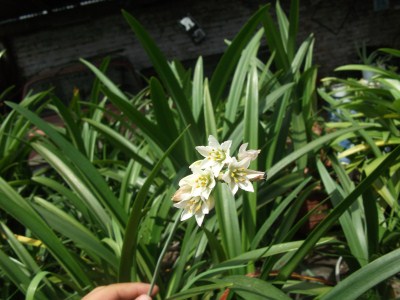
column 197, row 184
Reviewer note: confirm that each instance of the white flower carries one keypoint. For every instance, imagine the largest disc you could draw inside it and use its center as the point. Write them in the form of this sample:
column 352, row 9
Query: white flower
column 243, row 153
column 183, row 193
column 194, row 193
column 238, row 176
column 216, row 155
column 195, row 206
column 201, row 182
column 196, row 165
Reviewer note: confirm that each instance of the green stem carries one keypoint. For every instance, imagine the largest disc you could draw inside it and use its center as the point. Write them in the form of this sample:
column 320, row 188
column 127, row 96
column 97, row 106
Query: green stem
column 164, row 250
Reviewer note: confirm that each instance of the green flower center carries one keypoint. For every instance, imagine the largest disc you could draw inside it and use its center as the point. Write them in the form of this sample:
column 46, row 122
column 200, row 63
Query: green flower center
column 195, row 205
column 202, row 181
column 217, row 155
column 238, row 175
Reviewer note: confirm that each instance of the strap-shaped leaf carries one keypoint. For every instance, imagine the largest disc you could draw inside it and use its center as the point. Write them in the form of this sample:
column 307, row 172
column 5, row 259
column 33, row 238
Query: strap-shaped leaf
column 21, row 210
column 166, row 75
column 128, row 264
column 312, row 146
column 247, row 60
column 64, row 223
column 227, row 63
column 322, row 227
column 86, row 168
column 365, row 278
column 254, row 288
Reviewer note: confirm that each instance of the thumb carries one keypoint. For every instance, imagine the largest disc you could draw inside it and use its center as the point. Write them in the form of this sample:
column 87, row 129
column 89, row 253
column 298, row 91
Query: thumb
column 143, row 297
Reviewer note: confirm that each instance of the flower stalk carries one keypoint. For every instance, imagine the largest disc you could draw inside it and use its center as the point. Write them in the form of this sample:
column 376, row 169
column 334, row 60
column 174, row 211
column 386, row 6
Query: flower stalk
column 162, row 254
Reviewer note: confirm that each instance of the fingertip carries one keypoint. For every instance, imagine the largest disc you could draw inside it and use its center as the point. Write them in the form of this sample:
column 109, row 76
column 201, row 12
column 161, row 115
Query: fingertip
column 155, row 290
column 143, row 297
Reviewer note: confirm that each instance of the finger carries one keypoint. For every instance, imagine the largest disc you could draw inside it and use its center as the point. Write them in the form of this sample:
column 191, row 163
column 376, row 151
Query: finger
column 120, row 291
column 143, row 297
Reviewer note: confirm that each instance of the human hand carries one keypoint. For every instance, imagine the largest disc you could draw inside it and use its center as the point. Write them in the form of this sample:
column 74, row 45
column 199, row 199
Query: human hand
column 121, row 291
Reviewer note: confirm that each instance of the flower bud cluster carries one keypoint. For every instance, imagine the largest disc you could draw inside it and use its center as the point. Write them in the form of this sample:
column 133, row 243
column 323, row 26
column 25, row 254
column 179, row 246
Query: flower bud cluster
column 194, row 193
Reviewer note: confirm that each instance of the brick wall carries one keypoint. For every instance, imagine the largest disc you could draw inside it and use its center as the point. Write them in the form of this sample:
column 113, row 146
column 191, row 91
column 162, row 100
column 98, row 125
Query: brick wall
column 337, row 25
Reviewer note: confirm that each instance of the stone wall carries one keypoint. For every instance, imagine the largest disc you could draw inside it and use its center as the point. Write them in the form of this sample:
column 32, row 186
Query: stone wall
column 337, row 26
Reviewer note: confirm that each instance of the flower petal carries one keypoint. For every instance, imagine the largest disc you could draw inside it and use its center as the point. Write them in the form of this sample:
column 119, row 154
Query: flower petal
column 212, row 142
column 199, row 218
column 183, row 193
column 210, row 203
column 246, row 185
column 227, row 177
column 255, row 175
column 226, row 145
column 217, row 169
column 233, row 187
column 186, row 214
column 203, row 150
column 250, row 154
column 196, row 166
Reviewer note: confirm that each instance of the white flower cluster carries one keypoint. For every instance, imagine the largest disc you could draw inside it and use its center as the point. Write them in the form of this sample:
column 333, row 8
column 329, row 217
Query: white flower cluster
column 194, row 193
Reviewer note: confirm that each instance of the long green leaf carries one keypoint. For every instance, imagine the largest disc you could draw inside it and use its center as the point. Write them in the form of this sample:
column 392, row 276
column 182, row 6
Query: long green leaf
column 274, row 96
column 27, row 260
column 226, row 65
column 365, row 278
column 278, row 131
column 70, row 124
column 293, row 27
column 131, row 176
column 33, row 291
column 119, row 99
column 65, row 192
column 75, row 181
column 64, row 223
column 21, row 210
column 336, row 213
column 164, row 116
column 90, row 137
column 254, row 288
column 375, row 70
column 372, row 225
column 128, row 264
column 121, row 142
column 95, row 92
column 356, row 242
column 193, row 292
column 197, row 89
column 251, row 123
column 238, row 82
column 106, row 196
column 272, row 250
column 15, row 274
column 283, row 23
column 277, row 213
column 209, row 117
column 166, row 75
column 22, row 253
column 228, row 222
column 312, row 146
column 251, row 113
column 275, row 43
column 13, row 131
column 390, row 51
